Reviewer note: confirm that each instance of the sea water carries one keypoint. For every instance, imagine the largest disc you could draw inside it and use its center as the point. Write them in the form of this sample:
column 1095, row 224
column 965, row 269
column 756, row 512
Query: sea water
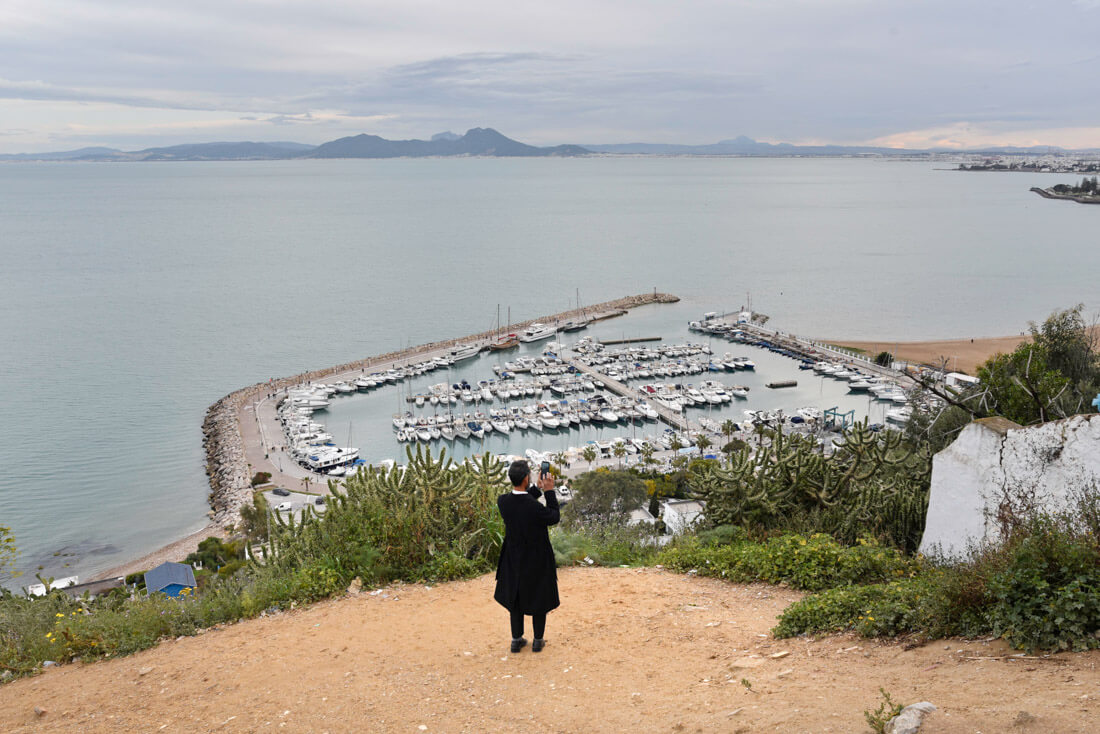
column 133, row 295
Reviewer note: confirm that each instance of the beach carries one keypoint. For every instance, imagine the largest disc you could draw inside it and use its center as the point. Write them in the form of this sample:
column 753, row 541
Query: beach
column 956, row 355
column 174, row 551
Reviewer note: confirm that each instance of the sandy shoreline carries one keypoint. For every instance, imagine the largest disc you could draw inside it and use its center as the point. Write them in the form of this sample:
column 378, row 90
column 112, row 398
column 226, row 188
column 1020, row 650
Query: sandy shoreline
column 959, row 355
column 175, row 551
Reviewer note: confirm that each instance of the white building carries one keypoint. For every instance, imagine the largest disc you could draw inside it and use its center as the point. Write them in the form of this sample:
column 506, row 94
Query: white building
column 641, row 515
column 958, row 379
column 681, row 515
column 40, row 589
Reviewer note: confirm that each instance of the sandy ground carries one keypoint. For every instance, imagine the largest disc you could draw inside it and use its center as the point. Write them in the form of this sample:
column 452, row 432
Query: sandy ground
column 961, row 355
column 629, row 650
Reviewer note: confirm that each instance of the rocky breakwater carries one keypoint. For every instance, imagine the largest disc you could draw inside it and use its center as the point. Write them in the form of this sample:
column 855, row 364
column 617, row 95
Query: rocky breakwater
column 226, row 466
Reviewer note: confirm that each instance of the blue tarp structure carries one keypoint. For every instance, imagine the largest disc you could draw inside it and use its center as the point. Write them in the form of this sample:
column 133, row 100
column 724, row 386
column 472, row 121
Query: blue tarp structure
column 170, row 579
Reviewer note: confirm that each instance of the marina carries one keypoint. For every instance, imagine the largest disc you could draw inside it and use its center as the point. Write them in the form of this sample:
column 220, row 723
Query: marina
column 557, row 397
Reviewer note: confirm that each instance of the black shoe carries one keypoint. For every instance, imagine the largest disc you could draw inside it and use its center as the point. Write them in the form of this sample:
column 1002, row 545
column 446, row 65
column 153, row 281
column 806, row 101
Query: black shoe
column 537, row 645
column 518, row 645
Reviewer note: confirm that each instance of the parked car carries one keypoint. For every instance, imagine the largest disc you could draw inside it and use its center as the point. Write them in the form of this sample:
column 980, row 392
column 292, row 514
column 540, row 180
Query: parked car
column 281, row 492
column 319, row 501
column 283, row 507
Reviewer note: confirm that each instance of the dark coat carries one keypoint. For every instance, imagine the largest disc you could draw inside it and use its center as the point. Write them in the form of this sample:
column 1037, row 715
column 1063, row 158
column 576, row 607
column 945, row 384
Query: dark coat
column 527, row 579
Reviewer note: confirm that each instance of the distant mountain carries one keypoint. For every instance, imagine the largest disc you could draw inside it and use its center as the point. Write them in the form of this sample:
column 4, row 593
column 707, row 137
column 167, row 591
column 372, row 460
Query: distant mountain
column 482, row 141
column 64, row 155
column 246, row 151
column 225, row 151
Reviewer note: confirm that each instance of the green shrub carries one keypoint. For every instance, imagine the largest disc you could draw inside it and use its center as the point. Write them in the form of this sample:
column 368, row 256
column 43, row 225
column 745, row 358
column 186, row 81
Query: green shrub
column 723, row 535
column 876, row 610
column 1040, row 590
column 804, row 562
column 261, row 477
column 1047, row 594
column 622, row 545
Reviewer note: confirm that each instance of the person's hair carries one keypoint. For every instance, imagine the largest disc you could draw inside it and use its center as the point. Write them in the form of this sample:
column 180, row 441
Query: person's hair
column 518, row 473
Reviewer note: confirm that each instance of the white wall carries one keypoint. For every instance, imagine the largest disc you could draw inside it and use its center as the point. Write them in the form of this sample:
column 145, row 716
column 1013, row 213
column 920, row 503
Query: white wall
column 995, row 465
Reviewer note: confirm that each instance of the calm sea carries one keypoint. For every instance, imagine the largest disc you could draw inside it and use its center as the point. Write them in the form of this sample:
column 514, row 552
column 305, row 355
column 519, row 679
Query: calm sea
column 132, row 296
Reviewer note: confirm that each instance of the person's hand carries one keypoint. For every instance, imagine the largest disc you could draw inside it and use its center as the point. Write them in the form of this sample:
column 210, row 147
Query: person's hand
column 546, row 484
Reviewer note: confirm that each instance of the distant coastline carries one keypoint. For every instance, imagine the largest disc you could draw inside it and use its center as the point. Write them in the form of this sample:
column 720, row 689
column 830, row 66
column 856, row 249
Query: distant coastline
column 488, row 143
column 1079, row 198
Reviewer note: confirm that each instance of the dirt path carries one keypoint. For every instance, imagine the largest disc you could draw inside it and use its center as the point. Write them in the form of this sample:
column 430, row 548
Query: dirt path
column 630, row 650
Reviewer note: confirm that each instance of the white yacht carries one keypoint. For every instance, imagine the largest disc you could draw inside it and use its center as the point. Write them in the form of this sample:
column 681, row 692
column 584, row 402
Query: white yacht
column 464, row 351
column 548, row 419
column 899, row 415
column 536, row 332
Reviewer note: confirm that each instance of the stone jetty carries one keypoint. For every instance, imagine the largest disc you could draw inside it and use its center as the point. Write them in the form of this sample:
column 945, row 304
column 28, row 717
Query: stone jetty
column 226, row 464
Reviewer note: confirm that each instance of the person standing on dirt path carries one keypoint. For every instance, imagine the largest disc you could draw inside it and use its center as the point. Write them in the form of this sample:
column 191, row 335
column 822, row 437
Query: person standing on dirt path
column 527, row 579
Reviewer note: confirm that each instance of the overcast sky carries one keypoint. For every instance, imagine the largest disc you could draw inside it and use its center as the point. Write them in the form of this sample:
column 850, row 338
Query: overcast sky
column 918, row 73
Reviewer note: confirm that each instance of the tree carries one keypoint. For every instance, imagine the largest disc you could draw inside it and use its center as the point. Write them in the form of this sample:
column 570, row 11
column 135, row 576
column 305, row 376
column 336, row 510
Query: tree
column 606, row 497
column 733, row 447
column 703, row 443
column 619, row 451
column 884, row 359
column 676, row 444
column 1070, row 345
column 589, row 455
column 8, row 554
column 728, row 428
column 1022, row 386
column 647, row 455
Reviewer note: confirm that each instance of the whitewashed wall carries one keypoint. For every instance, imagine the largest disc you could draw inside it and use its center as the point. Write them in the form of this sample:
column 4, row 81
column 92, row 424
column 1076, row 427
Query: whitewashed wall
column 996, row 466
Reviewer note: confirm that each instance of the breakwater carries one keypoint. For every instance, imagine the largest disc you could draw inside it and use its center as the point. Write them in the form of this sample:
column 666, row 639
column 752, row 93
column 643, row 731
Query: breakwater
column 227, row 465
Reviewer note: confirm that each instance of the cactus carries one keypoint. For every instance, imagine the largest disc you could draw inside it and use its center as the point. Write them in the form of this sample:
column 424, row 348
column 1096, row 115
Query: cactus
column 872, row 484
column 432, row 505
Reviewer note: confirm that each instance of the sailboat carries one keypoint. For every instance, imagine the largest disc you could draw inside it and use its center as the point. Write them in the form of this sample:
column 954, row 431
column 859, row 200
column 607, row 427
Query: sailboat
column 506, row 341
column 579, row 323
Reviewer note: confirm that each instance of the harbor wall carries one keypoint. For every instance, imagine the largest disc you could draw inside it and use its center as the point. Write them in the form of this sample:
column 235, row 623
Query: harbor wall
column 226, row 465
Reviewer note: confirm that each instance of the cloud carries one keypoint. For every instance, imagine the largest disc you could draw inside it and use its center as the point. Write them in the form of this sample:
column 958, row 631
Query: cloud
column 573, row 70
column 964, row 135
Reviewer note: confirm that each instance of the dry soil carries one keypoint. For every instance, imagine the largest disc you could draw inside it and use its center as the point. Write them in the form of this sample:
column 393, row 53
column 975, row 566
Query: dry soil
column 629, row 650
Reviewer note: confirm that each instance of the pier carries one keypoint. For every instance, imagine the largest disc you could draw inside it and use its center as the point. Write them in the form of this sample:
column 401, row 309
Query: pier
column 635, row 340
column 672, row 418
